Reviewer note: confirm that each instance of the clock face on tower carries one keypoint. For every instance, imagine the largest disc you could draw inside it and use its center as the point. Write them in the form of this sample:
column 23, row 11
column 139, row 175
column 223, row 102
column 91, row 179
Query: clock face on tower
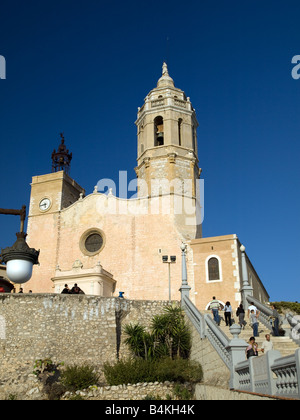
column 45, row 204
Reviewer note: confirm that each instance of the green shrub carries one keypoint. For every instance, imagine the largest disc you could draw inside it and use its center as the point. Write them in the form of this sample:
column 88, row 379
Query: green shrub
column 178, row 370
column 291, row 306
column 76, row 377
column 44, row 365
column 133, row 371
column 129, row 371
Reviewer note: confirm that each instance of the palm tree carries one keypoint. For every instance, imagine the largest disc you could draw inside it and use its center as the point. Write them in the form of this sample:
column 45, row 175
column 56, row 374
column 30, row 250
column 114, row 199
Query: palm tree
column 169, row 336
column 172, row 330
column 139, row 341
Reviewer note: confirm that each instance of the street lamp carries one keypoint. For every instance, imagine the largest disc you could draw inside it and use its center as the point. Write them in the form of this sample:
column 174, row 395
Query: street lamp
column 19, row 258
column 247, row 289
column 166, row 260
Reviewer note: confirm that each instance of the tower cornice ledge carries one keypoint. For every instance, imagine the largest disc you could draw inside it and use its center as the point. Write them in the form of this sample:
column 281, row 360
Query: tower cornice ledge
column 180, row 152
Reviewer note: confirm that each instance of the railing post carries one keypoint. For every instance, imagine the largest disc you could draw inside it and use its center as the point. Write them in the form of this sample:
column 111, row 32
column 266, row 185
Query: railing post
column 237, row 350
column 297, row 357
column 246, row 289
column 294, row 329
column 185, row 288
column 271, row 356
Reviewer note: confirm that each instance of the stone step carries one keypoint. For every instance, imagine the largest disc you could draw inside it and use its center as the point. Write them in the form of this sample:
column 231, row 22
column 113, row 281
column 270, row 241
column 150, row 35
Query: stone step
column 285, row 345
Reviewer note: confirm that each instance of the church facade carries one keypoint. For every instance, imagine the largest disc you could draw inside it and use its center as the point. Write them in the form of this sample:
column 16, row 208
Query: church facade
column 108, row 245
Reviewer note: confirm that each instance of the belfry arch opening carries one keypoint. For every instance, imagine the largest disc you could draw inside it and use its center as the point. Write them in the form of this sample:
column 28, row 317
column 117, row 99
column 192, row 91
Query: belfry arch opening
column 159, row 131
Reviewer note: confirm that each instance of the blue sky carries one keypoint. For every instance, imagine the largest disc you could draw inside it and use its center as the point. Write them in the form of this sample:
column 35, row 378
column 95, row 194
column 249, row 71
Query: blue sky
column 83, row 67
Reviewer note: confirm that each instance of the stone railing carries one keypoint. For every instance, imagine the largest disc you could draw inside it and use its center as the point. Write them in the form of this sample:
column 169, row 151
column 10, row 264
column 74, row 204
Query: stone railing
column 207, row 328
column 292, row 327
column 287, row 371
column 230, row 351
column 294, row 322
column 270, row 374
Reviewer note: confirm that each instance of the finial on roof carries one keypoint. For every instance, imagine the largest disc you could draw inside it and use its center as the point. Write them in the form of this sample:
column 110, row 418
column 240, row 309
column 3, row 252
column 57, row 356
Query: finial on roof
column 165, row 68
column 165, row 80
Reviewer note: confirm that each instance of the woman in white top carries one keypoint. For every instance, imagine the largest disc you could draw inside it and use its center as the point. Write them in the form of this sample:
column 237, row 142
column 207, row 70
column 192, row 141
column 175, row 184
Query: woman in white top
column 227, row 312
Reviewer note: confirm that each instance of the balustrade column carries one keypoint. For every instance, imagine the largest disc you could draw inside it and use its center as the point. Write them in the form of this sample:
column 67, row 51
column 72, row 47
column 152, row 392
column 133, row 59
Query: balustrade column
column 237, row 350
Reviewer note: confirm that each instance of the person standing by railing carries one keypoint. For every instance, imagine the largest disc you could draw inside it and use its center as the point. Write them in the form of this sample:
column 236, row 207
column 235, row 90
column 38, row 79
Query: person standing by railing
column 275, row 321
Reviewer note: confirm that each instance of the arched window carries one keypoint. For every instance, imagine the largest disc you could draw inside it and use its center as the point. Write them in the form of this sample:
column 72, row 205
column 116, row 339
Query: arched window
column 213, row 268
column 158, row 131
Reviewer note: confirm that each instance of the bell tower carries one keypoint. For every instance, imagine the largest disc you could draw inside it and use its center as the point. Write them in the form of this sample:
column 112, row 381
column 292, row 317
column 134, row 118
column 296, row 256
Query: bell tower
column 167, row 140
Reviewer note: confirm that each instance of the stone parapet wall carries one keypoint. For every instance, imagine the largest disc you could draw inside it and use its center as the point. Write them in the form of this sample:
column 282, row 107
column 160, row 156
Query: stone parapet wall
column 74, row 329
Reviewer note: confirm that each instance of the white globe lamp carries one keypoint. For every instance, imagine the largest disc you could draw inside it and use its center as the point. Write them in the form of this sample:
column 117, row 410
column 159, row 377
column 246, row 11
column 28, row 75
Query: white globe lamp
column 19, row 260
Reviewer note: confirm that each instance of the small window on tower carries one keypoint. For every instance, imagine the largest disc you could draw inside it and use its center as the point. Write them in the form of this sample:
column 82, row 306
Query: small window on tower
column 158, row 131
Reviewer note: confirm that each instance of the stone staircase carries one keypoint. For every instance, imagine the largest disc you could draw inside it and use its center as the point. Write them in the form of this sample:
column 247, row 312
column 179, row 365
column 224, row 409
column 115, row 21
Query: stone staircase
column 285, row 345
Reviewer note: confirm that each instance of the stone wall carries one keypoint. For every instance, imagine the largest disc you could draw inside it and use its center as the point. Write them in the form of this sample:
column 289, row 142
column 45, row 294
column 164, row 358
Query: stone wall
column 138, row 391
column 29, row 387
column 79, row 329
column 73, row 329
column 215, row 372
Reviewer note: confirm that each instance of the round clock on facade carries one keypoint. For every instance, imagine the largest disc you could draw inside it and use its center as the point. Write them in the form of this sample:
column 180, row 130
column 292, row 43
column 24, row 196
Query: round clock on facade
column 45, row 204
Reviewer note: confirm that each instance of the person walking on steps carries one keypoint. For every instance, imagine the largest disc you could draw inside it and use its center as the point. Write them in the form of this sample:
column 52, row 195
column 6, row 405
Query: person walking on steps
column 227, row 313
column 254, row 322
column 215, row 307
column 240, row 313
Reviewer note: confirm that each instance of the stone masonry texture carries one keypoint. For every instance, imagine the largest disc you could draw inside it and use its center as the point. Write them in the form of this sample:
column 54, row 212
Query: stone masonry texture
column 74, row 329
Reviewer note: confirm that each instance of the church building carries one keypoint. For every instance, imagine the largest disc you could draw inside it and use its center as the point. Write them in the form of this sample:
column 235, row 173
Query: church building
column 108, row 245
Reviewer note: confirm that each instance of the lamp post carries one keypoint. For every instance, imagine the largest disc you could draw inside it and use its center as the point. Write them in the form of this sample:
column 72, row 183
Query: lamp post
column 246, row 289
column 185, row 288
column 166, row 260
column 19, row 258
